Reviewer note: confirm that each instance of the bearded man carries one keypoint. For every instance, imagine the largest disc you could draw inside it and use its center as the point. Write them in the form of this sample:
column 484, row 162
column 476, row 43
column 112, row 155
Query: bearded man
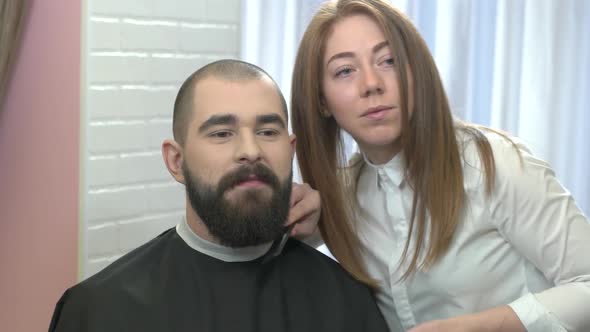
column 224, row 267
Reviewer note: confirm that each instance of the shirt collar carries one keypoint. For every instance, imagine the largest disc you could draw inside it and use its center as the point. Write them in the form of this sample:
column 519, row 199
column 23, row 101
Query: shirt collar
column 218, row 251
column 393, row 170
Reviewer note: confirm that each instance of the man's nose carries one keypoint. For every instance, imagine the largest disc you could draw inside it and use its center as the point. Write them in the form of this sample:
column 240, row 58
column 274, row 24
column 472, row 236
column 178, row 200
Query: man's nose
column 248, row 150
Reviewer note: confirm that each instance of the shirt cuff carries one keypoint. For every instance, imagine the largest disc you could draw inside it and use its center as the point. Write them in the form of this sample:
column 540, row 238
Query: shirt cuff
column 534, row 316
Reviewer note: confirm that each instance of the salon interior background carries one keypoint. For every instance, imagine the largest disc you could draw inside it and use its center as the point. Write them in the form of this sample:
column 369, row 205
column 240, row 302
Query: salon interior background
column 522, row 66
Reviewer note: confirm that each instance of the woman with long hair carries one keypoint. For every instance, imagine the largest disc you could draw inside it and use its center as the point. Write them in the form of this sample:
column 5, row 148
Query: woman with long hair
column 457, row 227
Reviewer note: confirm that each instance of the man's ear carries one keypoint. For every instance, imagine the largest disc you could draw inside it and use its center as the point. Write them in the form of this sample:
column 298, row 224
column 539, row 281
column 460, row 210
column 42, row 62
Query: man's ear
column 293, row 144
column 173, row 158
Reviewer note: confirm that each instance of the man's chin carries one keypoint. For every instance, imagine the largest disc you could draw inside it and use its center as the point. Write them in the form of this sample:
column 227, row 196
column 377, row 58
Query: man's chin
column 249, row 207
column 244, row 193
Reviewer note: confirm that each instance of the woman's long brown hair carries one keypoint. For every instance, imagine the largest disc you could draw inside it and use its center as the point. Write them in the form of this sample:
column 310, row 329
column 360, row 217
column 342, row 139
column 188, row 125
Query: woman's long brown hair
column 432, row 154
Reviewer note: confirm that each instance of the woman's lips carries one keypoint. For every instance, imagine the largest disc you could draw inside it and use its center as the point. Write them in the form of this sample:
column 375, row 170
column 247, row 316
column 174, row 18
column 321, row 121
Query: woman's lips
column 377, row 113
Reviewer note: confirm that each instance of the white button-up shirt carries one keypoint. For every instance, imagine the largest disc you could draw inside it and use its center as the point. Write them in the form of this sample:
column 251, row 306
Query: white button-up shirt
column 528, row 245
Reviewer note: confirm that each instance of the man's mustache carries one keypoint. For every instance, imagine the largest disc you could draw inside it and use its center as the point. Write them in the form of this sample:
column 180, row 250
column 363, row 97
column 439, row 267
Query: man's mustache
column 245, row 173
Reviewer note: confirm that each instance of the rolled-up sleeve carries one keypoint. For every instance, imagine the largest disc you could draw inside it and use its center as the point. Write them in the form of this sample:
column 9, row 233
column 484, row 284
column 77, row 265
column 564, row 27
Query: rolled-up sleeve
column 539, row 217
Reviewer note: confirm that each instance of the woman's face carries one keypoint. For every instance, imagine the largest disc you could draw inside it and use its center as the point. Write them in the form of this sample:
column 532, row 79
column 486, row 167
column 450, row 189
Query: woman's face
column 360, row 86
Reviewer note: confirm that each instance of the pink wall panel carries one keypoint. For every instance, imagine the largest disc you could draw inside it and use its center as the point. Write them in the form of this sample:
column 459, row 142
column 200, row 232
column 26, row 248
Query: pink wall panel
column 39, row 168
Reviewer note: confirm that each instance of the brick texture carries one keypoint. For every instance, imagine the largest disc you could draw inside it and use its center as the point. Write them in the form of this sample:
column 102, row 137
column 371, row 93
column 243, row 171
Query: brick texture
column 138, row 53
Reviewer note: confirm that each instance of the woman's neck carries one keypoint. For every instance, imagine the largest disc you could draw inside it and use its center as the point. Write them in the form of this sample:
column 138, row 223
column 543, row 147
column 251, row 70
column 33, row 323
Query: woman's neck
column 379, row 155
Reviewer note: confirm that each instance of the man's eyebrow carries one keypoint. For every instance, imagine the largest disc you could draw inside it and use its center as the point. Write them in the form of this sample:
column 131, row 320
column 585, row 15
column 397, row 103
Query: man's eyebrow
column 218, row 120
column 270, row 118
column 376, row 49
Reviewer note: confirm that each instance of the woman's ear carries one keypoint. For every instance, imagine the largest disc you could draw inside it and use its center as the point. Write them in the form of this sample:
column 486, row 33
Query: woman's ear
column 324, row 111
column 173, row 158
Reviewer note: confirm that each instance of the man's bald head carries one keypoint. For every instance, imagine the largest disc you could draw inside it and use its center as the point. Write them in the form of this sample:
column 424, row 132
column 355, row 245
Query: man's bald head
column 228, row 69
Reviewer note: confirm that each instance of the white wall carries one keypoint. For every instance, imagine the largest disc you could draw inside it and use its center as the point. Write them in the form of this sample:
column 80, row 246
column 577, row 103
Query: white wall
column 138, row 52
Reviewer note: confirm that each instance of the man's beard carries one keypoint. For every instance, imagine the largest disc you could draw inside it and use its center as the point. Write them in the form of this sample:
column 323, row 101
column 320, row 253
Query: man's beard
column 251, row 217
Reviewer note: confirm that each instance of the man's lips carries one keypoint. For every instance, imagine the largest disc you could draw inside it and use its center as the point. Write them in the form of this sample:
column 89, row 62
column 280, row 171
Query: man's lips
column 251, row 182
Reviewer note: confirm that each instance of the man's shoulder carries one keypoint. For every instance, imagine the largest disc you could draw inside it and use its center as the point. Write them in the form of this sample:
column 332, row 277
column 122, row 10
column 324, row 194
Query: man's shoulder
column 308, row 271
column 315, row 265
column 302, row 250
column 128, row 268
column 102, row 302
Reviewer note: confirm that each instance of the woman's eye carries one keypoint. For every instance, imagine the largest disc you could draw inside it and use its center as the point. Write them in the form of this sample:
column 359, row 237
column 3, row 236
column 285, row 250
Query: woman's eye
column 343, row 72
column 389, row 62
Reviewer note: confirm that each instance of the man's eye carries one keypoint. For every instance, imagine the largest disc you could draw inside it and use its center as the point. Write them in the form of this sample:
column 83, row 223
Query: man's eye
column 221, row 134
column 268, row 132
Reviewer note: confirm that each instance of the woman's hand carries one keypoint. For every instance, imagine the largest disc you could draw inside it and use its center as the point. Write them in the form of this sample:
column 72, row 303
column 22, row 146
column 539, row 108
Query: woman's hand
column 305, row 211
column 499, row 319
column 446, row 325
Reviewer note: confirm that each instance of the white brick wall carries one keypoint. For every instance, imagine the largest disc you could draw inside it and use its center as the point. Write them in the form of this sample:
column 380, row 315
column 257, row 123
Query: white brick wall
column 138, row 54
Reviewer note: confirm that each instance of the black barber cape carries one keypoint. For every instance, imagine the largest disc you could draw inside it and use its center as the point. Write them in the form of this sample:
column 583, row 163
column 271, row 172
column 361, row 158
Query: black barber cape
column 165, row 285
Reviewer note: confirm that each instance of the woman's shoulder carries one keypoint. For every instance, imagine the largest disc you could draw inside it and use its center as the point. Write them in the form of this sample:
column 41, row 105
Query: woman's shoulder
column 503, row 147
column 513, row 160
column 501, row 152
